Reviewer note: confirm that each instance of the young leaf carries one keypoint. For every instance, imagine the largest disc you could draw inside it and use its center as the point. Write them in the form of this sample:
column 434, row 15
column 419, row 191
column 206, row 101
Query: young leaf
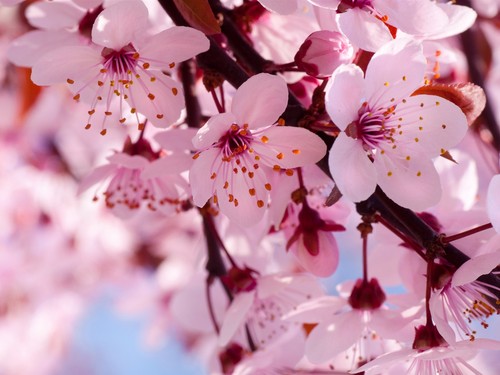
column 199, row 15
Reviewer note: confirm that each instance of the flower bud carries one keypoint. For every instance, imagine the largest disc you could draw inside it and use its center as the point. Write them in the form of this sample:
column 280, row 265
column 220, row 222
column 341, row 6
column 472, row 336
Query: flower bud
column 322, row 52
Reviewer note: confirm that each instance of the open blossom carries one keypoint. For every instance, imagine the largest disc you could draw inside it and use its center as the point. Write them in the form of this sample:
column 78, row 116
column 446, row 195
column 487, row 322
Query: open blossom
column 360, row 319
column 439, row 359
column 389, row 135
column 138, row 176
column 463, row 298
column 369, row 24
column 57, row 24
column 241, row 149
column 261, row 302
column 124, row 62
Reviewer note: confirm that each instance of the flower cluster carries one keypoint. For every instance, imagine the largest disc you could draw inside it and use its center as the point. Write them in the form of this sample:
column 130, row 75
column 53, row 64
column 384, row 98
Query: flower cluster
column 289, row 186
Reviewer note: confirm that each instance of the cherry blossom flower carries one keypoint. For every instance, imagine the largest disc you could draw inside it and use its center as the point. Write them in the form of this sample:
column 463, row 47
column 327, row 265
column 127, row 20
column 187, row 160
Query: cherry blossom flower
column 124, row 62
column 441, row 359
column 358, row 319
column 261, row 302
column 389, row 135
column 463, row 298
column 140, row 176
column 58, row 24
column 369, row 24
column 241, row 149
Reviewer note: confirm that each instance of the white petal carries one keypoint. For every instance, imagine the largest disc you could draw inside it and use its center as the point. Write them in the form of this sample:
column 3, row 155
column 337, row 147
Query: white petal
column 351, row 169
column 260, row 101
column 235, row 316
column 344, row 95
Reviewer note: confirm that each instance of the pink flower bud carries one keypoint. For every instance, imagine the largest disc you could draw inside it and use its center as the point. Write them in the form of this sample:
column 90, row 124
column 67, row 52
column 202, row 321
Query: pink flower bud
column 322, row 52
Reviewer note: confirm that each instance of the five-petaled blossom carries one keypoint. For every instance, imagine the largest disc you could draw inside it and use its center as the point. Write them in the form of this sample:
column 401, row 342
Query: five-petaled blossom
column 390, row 136
column 124, row 62
column 240, row 149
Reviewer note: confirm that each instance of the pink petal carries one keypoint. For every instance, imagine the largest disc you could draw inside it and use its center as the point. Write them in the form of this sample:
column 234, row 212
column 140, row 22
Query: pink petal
column 460, row 18
column 344, row 95
column 439, row 316
column 415, row 17
column 364, row 30
column 128, row 161
column 280, row 6
column 325, row 263
column 53, row 15
column 170, row 164
column 174, row 45
column 260, row 101
column 387, row 77
column 437, row 123
column 168, row 102
column 176, row 139
column 213, row 130
column 63, row 63
column 202, row 186
column 351, row 169
column 329, row 339
column 385, row 360
column 318, row 310
column 327, row 4
column 475, row 267
column 117, row 25
column 28, row 48
column 493, row 202
column 235, row 316
column 236, row 202
column 88, row 4
column 290, row 147
column 412, row 184
column 98, row 174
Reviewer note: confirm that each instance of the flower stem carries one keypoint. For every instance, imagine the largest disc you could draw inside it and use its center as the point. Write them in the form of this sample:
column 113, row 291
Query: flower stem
column 448, row 239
